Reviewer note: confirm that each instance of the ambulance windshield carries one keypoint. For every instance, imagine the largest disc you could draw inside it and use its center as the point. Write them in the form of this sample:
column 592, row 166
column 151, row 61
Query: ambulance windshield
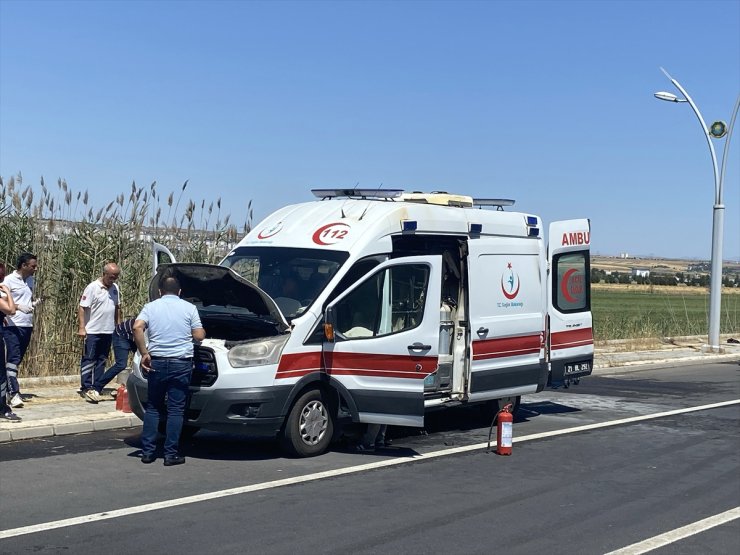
column 292, row 277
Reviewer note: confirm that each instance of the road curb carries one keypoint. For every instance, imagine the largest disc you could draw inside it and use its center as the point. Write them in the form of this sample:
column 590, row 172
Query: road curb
column 63, row 426
column 606, row 365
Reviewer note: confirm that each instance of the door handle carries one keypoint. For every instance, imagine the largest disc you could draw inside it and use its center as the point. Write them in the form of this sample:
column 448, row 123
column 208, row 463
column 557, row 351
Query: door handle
column 419, row 347
column 482, row 331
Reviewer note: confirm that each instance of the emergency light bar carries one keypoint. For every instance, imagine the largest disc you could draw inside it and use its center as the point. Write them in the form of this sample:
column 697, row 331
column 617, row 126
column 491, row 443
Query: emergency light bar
column 499, row 203
column 357, row 193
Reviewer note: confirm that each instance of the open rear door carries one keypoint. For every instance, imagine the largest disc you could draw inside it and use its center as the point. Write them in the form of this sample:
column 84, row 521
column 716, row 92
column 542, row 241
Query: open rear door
column 161, row 255
column 386, row 339
column 570, row 340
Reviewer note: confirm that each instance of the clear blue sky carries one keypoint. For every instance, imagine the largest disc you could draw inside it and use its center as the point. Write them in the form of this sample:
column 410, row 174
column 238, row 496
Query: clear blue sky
column 549, row 103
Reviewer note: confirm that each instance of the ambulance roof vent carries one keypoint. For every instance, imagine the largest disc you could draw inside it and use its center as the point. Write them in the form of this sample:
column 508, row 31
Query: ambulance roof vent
column 439, row 197
column 497, row 203
column 384, row 194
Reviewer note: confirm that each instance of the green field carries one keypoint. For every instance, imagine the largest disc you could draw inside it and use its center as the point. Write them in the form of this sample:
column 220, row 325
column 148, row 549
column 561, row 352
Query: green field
column 627, row 314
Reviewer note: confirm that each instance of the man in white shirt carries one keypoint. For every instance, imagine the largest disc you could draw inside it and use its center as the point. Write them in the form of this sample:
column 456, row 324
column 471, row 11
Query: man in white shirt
column 18, row 328
column 98, row 314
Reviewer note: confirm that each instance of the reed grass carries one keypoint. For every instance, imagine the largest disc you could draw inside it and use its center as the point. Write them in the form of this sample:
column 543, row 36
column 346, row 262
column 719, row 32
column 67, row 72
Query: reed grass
column 73, row 239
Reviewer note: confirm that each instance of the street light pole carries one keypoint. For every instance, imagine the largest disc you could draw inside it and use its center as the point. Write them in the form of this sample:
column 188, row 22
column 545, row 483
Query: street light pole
column 718, row 211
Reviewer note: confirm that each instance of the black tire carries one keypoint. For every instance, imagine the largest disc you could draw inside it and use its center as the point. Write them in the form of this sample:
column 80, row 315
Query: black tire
column 310, row 425
column 188, row 432
column 490, row 409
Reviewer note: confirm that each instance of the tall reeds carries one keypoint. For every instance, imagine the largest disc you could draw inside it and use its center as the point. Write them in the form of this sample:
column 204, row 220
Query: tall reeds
column 73, row 239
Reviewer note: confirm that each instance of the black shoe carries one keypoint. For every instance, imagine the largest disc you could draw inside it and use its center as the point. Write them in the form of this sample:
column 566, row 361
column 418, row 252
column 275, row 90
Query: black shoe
column 172, row 461
column 10, row 416
column 148, row 459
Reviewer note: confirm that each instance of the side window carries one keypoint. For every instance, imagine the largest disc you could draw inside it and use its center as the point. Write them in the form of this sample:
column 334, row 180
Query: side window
column 359, row 269
column 571, row 286
column 390, row 301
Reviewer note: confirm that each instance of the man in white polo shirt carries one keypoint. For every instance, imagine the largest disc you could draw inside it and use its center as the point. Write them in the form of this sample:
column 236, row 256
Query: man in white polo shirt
column 98, row 314
column 18, row 328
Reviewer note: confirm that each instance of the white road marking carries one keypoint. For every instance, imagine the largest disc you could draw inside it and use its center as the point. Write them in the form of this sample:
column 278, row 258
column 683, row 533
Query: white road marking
column 678, row 534
column 117, row 513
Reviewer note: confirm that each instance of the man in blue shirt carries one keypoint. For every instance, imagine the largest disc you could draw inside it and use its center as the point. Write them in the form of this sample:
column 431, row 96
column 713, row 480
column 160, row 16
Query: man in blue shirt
column 167, row 362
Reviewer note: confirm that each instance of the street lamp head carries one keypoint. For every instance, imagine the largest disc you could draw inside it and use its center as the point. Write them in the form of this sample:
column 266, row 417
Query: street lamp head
column 668, row 97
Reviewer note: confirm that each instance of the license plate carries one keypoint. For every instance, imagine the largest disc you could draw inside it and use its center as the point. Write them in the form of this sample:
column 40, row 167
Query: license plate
column 578, row 367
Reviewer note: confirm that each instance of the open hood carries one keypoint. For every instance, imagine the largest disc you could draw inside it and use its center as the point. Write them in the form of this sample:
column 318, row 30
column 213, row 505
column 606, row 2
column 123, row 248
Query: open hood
column 210, row 286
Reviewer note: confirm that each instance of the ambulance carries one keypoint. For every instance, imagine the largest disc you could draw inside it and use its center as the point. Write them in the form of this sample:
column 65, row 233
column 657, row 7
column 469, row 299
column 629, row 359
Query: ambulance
column 377, row 306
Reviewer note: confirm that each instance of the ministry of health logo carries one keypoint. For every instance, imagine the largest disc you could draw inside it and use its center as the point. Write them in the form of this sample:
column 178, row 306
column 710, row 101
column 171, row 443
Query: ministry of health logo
column 510, row 282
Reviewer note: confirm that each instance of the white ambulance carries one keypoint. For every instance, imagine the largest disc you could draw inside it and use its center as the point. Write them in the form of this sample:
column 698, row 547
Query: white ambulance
column 377, row 305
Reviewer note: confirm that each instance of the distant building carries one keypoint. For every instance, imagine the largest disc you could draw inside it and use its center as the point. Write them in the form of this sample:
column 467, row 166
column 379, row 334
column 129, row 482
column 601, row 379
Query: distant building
column 624, row 255
column 641, row 272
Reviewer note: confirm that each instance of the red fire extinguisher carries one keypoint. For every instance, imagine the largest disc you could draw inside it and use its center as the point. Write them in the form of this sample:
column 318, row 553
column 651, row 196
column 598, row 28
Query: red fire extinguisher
column 122, row 399
column 504, row 431
column 119, row 397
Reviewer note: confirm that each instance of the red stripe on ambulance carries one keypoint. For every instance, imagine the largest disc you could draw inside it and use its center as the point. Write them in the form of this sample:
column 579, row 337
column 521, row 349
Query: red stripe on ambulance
column 356, row 364
column 507, row 347
column 572, row 338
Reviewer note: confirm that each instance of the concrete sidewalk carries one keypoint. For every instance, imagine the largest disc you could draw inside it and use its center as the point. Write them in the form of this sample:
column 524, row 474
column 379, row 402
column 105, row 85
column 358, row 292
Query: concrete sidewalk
column 54, row 407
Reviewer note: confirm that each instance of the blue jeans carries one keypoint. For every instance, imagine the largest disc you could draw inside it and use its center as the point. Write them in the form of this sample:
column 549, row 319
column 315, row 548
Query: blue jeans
column 3, row 376
column 121, row 348
column 97, row 347
column 16, row 343
column 170, row 378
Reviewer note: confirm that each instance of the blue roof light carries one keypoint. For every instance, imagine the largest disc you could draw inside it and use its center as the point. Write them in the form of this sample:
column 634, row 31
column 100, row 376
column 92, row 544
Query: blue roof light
column 534, row 232
column 409, row 225
column 475, row 228
column 531, row 220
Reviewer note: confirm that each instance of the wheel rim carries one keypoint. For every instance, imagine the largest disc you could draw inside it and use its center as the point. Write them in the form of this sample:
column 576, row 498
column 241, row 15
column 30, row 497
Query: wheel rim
column 313, row 423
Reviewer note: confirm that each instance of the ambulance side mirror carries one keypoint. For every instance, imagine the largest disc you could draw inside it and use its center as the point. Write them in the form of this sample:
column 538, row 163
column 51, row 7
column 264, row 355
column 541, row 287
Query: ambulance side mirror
column 329, row 321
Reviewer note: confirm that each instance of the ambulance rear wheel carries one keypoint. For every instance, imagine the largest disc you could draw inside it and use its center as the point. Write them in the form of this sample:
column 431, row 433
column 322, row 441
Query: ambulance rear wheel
column 492, row 408
column 310, row 425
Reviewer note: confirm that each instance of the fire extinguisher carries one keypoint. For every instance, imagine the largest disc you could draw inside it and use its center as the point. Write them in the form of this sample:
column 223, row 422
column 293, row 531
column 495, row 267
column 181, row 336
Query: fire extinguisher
column 504, row 431
column 122, row 402
column 119, row 397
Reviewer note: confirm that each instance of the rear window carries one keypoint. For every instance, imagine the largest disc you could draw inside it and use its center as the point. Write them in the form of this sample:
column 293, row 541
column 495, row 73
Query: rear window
column 571, row 283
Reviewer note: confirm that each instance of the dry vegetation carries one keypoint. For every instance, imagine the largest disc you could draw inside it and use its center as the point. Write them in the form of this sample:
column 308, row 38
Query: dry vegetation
column 73, row 240
column 663, row 265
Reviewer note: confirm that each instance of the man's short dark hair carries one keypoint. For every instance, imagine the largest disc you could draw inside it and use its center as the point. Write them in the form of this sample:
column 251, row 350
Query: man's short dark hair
column 169, row 286
column 25, row 258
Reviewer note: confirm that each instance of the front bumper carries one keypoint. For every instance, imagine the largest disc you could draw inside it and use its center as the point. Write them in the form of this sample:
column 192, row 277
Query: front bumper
column 254, row 412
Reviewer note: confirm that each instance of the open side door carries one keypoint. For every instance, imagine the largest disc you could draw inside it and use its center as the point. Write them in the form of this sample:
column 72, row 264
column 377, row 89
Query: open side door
column 386, row 339
column 570, row 340
column 506, row 323
column 159, row 254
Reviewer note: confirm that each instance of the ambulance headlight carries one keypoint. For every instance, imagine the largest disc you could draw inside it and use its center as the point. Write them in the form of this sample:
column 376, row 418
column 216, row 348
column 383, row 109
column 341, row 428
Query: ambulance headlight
column 257, row 353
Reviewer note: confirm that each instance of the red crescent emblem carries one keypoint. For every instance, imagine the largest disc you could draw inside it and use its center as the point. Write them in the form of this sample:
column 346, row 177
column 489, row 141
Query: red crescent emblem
column 510, row 296
column 564, row 285
column 270, row 231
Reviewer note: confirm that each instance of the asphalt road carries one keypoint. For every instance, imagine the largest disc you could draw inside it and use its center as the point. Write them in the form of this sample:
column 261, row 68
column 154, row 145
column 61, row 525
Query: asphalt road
column 589, row 491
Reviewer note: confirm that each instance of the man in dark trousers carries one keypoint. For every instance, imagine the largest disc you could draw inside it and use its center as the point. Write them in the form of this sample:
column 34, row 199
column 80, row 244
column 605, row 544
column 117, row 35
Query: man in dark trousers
column 18, row 328
column 171, row 325
column 123, row 344
column 98, row 314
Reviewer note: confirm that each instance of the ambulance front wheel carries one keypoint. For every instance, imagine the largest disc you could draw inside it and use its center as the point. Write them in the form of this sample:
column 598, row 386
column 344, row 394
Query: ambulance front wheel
column 310, row 425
